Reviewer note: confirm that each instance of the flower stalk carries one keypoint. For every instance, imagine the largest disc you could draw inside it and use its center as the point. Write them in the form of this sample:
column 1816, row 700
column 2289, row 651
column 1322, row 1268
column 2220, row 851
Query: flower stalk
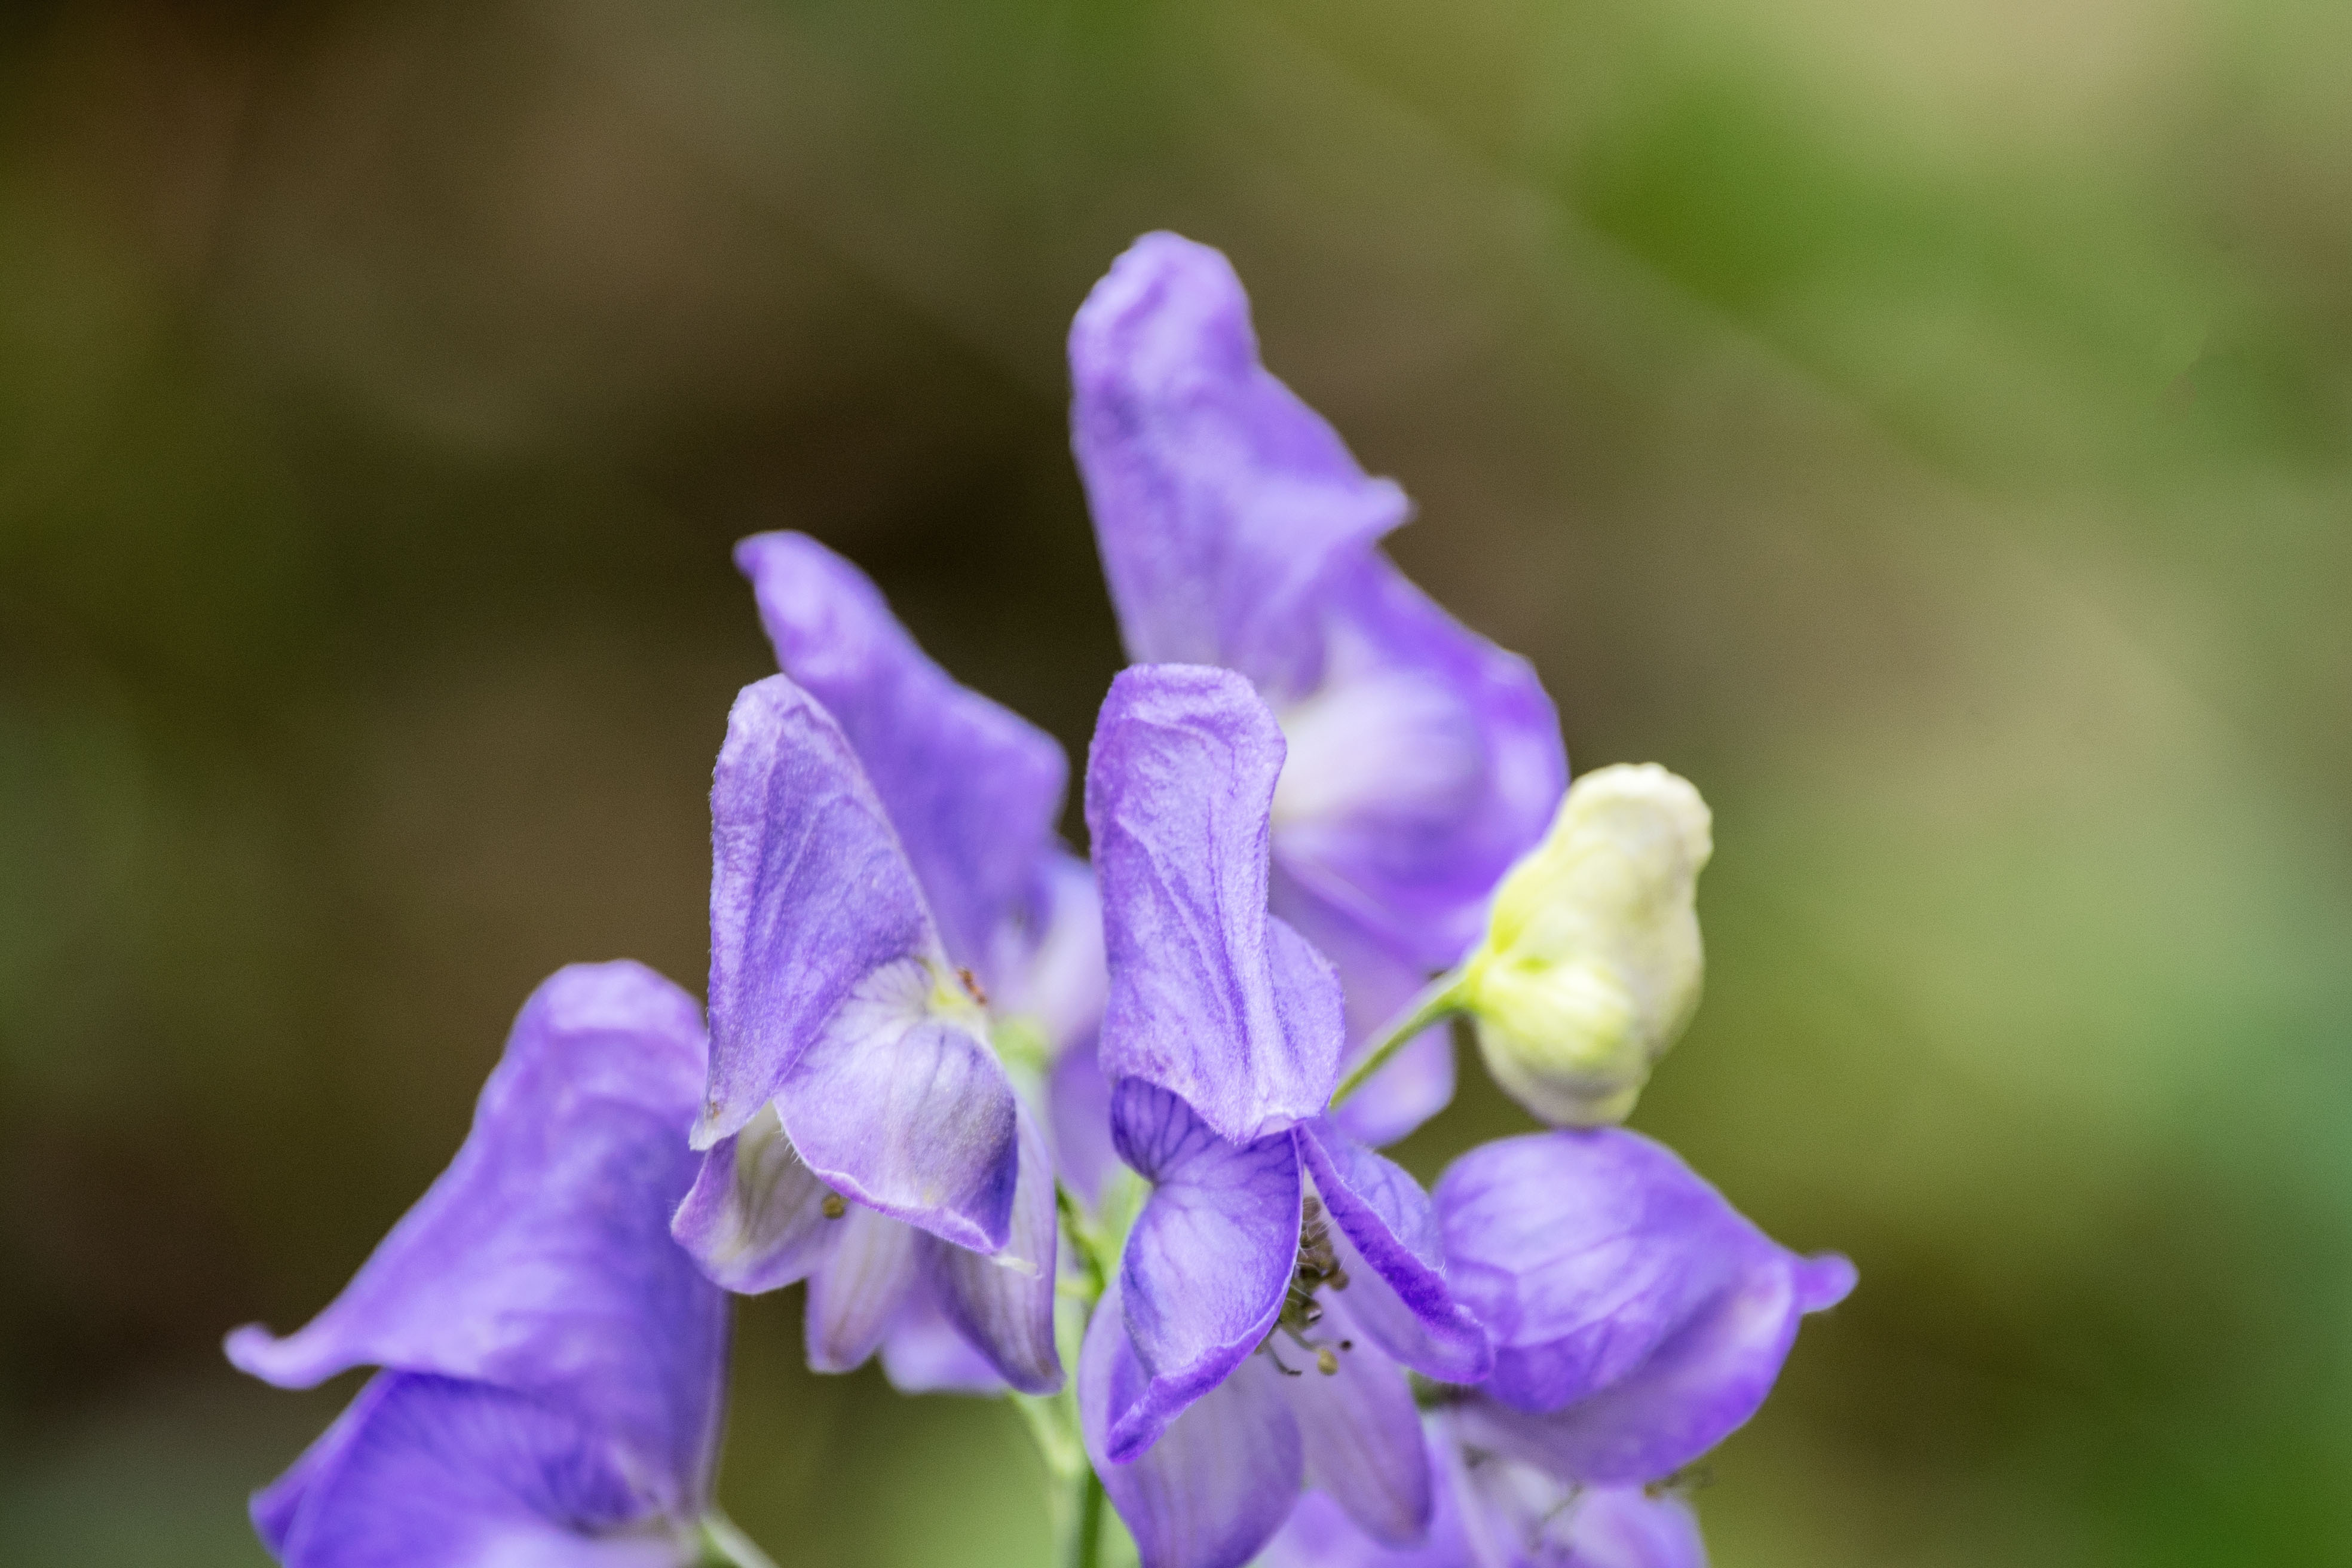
column 723, row 1546
column 1441, row 999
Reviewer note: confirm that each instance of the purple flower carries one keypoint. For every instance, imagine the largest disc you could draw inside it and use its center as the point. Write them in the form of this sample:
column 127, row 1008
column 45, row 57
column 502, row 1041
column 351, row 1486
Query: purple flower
column 1235, row 530
column 884, row 864
column 1279, row 1276
column 1638, row 1319
column 553, row 1365
column 1492, row 1511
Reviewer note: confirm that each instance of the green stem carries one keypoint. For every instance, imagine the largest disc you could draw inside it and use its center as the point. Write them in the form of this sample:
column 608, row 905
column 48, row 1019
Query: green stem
column 1441, row 998
column 725, row 1546
column 1082, row 1242
column 1084, row 1547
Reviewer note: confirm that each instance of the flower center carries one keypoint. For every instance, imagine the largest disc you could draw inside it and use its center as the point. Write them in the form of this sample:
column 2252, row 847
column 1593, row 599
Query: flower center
column 1318, row 1264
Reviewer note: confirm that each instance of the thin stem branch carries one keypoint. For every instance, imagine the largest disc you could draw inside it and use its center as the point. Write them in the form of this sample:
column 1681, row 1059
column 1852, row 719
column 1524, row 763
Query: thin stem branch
column 1082, row 1242
column 725, row 1546
column 1441, row 998
column 1084, row 1547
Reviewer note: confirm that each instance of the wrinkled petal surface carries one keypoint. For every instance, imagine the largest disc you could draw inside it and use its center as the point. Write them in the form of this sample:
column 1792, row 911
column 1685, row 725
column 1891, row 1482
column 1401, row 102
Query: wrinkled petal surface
column 972, row 788
column 429, row 1472
column 1211, row 997
column 1209, row 1260
column 1003, row 1304
column 907, row 1110
column 1393, row 1254
column 810, row 894
column 1220, row 501
column 1216, row 1485
column 540, row 1261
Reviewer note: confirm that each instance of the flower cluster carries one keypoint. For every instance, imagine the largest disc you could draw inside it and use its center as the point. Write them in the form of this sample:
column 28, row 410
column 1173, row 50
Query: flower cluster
column 1101, row 1135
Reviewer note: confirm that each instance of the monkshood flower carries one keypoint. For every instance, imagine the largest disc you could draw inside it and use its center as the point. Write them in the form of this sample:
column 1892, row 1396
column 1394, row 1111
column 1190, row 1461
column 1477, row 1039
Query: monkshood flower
column 553, row 1365
column 1592, row 963
column 1492, row 1511
column 1279, row 1277
column 892, row 926
column 1637, row 1318
column 1236, row 530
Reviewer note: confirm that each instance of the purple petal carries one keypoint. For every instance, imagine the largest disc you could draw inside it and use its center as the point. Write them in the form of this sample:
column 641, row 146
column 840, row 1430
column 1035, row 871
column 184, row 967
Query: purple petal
column 1054, row 976
column 1209, row 1260
column 1425, row 764
column 1701, row 1386
column 755, row 1219
column 427, row 1472
column 1361, row 1432
column 1215, row 1486
column 908, row 1110
column 1627, row 1527
column 1235, row 530
column 1210, row 997
column 1220, row 501
column 1392, row 1252
column 1078, row 1100
column 1004, row 1304
column 810, row 894
column 855, row 1298
column 1581, row 1253
column 972, row 788
column 1319, row 1534
column 1639, row 1319
column 540, row 1261
column 925, row 1353
column 275, row 1508
column 1492, row 1511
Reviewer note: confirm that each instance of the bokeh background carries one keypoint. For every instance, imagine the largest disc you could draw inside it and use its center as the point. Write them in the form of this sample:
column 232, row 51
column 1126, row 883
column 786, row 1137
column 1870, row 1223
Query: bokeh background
column 1924, row 426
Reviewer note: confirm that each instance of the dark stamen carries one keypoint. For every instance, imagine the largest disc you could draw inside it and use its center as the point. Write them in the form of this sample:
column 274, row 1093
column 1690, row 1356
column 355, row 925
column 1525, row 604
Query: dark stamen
column 832, row 1206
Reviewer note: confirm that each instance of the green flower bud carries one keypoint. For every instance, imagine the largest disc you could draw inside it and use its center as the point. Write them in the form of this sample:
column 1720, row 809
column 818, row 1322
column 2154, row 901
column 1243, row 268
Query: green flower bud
column 1591, row 965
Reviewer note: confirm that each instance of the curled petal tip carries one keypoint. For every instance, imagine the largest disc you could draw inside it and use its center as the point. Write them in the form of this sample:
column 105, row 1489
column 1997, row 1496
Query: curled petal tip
column 1824, row 1280
column 255, row 1352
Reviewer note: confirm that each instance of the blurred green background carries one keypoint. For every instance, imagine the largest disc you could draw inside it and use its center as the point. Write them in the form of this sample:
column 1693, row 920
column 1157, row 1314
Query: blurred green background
column 1924, row 424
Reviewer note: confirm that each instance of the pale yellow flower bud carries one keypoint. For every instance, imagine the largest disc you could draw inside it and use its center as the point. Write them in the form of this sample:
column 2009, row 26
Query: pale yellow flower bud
column 1591, row 965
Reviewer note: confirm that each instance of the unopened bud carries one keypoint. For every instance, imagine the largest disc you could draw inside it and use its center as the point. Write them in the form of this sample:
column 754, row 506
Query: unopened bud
column 1591, row 965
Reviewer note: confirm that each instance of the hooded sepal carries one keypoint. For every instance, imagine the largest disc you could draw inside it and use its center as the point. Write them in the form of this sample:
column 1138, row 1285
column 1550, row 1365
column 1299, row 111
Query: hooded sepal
column 972, row 788
column 540, row 1262
column 831, row 996
column 1211, row 997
